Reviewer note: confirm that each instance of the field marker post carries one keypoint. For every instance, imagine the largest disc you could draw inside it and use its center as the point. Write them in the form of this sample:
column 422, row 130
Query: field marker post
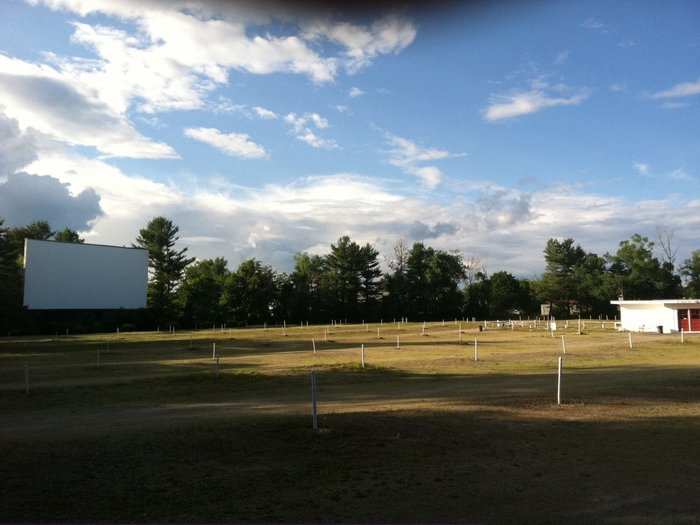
column 378, row 333
column 313, row 343
column 314, row 415
column 26, row 377
column 362, row 355
column 563, row 345
column 682, row 340
column 629, row 334
column 398, row 344
column 213, row 350
column 476, row 349
column 579, row 326
column 559, row 381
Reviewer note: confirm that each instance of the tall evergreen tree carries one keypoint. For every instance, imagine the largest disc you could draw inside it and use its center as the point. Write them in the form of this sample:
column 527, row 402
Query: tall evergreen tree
column 166, row 265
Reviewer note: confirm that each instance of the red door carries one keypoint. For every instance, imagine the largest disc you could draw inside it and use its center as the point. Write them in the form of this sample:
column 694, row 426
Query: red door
column 695, row 320
column 689, row 325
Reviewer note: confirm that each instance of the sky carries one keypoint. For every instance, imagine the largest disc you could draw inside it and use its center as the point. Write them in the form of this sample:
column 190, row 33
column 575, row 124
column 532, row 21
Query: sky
column 264, row 130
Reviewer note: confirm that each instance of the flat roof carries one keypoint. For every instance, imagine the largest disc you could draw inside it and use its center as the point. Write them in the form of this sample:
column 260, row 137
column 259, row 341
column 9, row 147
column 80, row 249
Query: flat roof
column 658, row 301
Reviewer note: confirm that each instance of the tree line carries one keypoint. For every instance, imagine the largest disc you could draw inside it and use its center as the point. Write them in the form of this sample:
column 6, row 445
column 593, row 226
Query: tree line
column 349, row 284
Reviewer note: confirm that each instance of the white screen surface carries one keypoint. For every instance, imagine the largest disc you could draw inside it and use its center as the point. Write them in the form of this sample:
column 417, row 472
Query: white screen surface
column 60, row 275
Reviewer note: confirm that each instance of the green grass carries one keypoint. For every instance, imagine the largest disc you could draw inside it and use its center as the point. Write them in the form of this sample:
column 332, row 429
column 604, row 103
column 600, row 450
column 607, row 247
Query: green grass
column 422, row 434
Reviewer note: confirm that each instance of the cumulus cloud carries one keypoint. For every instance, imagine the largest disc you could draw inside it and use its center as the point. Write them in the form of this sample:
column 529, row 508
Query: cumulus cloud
column 17, row 149
column 355, row 92
column 390, row 34
column 684, row 89
column 25, row 198
column 302, row 127
column 540, row 96
column 506, row 228
column 233, row 144
column 40, row 98
column 411, row 157
column 152, row 55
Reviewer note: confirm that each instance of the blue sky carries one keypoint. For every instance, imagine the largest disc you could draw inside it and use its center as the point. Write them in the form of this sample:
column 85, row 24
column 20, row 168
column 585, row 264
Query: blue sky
column 264, row 131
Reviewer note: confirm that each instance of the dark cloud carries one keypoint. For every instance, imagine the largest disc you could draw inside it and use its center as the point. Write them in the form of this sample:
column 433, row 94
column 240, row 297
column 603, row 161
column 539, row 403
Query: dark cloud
column 17, row 149
column 25, row 198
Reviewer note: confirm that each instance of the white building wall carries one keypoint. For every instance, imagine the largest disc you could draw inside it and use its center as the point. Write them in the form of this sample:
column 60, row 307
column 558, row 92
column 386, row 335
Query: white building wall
column 646, row 317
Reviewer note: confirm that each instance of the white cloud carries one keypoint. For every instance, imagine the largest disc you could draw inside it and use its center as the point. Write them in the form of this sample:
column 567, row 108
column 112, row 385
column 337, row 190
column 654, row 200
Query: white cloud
column 410, row 157
column 264, row 113
column 390, row 34
column 355, row 92
column 234, row 144
column 684, row 89
column 641, row 168
column 539, row 97
column 341, row 108
column 505, row 227
column 617, row 88
column 301, row 127
column 43, row 98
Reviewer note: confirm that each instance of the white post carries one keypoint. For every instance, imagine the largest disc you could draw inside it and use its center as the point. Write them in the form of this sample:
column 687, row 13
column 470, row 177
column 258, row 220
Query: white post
column 443, row 322
column 476, row 349
column 213, row 350
column 363, row 355
column 378, row 333
column 398, row 344
column 682, row 341
column 313, row 343
column 579, row 326
column 314, row 415
column 629, row 334
column 563, row 345
column 559, row 382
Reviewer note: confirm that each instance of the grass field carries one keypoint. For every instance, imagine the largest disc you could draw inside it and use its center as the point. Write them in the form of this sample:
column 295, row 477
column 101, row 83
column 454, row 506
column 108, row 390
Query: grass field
column 146, row 427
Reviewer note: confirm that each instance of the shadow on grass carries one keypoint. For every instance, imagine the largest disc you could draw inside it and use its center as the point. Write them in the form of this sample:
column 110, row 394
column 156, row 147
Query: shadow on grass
column 383, row 467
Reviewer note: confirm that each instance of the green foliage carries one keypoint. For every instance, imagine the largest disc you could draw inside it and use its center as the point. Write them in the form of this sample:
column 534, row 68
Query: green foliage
column 166, row 266
column 640, row 275
column 691, row 272
column 68, row 235
column 250, row 293
column 201, row 293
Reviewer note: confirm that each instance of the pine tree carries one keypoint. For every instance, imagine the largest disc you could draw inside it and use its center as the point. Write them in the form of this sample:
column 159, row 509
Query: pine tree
column 166, row 266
